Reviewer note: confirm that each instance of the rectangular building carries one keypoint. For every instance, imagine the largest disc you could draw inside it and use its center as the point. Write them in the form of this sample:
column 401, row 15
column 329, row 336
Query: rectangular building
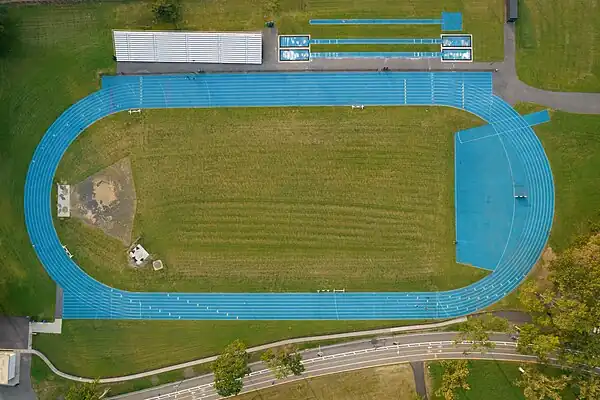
column 8, row 368
column 188, row 47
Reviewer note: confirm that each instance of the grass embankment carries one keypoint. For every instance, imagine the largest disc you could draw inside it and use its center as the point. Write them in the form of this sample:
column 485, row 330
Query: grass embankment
column 557, row 44
column 279, row 199
column 113, row 348
column 489, row 380
column 389, row 382
column 49, row 386
column 394, row 381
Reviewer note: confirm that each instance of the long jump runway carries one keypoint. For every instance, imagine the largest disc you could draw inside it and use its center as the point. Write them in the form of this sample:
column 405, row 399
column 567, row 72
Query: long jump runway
column 86, row 298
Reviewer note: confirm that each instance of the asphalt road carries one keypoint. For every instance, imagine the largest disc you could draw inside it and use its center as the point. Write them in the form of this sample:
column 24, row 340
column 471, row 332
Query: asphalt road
column 342, row 358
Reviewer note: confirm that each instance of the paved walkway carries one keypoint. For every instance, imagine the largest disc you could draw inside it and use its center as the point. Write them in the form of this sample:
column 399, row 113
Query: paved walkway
column 342, row 358
column 386, row 331
column 418, row 368
column 508, row 85
column 47, row 327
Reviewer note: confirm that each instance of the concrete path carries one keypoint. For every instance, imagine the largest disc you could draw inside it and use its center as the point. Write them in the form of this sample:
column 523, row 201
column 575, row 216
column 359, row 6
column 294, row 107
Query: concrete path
column 418, row 368
column 342, row 358
column 58, row 304
column 47, row 327
column 508, row 85
column 386, row 331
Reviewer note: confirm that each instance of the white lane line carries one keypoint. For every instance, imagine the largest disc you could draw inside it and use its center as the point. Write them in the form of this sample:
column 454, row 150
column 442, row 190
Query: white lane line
column 362, row 352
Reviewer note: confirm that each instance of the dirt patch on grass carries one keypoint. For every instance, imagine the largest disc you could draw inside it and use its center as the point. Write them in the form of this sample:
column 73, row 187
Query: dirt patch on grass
column 107, row 200
column 548, row 256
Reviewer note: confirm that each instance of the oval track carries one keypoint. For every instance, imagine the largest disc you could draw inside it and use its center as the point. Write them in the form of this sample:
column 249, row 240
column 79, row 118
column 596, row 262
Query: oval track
column 84, row 297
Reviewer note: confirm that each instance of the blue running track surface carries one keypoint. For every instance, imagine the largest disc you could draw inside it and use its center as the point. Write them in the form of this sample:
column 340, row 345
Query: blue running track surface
column 537, row 118
column 376, row 54
column 86, row 298
column 450, row 21
column 425, row 21
column 376, row 41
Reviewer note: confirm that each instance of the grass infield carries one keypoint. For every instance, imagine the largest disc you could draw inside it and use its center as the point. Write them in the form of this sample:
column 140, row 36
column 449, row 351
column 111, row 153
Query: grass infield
column 279, row 199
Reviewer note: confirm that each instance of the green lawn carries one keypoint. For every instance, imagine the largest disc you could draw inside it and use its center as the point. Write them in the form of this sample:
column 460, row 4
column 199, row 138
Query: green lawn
column 280, row 199
column 489, row 380
column 387, row 382
column 557, row 44
column 45, row 383
column 111, row 348
column 379, row 383
column 49, row 386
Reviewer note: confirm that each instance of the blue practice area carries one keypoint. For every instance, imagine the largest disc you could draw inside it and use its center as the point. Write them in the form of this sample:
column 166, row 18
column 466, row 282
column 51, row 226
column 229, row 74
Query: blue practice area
column 452, row 21
column 375, row 54
column 376, row 41
column 457, row 55
column 537, row 118
column 487, row 225
column 294, row 55
column 84, row 297
column 294, row 41
column 425, row 21
column 456, row 41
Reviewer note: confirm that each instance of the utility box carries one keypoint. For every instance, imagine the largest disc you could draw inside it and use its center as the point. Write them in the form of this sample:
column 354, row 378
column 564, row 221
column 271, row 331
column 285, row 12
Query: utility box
column 512, row 10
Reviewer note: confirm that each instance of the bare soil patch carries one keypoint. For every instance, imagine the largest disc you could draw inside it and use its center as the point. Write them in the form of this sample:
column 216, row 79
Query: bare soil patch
column 107, row 200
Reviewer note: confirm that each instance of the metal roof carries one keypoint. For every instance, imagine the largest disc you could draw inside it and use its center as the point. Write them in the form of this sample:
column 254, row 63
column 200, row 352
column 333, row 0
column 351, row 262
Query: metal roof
column 512, row 9
column 189, row 47
column 8, row 362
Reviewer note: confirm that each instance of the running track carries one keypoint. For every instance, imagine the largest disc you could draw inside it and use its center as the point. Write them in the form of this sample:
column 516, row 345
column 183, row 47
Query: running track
column 87, row 298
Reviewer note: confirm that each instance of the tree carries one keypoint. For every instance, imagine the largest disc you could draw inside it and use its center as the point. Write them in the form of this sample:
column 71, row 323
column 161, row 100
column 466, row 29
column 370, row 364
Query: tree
column 589, row 387
column 85, row 391
column 229, row 369
column 538, row 386
column 533, row 341
column 283, row 362
column 476, row 330
column 454, row 377
column 567, row 309
column 168, row 11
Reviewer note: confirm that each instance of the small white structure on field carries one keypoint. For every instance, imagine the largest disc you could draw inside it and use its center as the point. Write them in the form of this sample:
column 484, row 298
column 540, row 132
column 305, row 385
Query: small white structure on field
column 157, row 265
column 9, row 361
column 64, row 201
column 138, row 254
